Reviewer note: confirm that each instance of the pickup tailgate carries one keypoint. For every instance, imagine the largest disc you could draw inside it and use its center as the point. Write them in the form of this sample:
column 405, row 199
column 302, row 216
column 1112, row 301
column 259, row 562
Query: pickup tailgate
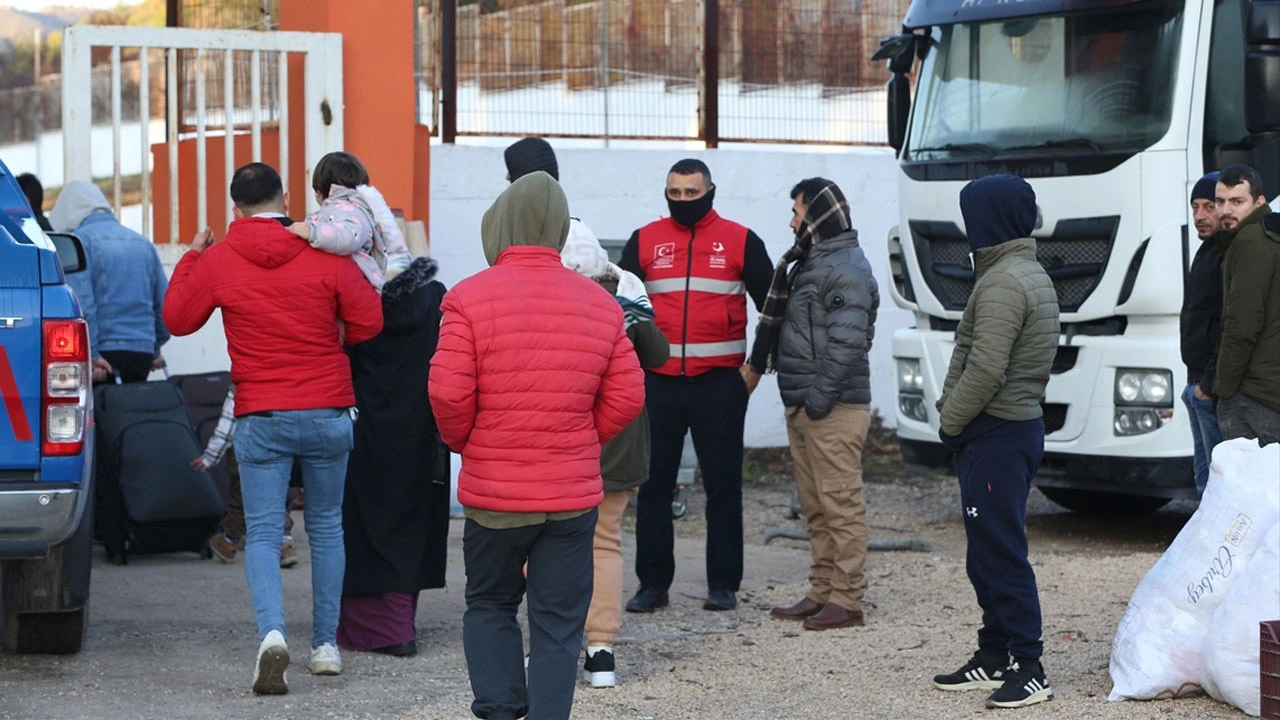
column 20, row 357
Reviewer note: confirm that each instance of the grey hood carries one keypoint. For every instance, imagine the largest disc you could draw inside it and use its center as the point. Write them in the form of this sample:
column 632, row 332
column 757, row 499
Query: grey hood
column 78, row 200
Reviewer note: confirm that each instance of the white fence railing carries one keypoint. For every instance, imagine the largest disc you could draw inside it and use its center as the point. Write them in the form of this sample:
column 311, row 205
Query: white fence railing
column 322, row 102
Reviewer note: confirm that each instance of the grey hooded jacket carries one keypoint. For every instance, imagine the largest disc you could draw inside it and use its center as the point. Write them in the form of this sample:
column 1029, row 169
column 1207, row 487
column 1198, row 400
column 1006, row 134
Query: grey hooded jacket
column 826, row 334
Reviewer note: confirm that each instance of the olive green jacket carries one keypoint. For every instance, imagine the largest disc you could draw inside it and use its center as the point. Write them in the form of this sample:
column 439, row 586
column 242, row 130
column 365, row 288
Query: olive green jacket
column 1249, row 351
column 1006, row 341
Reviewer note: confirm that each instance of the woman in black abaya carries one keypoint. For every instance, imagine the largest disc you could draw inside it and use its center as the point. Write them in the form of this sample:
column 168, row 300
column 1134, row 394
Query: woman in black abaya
column 395, row 514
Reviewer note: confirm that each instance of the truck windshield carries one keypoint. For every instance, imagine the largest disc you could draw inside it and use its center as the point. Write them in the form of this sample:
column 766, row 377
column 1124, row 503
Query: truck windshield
column 1092, row 82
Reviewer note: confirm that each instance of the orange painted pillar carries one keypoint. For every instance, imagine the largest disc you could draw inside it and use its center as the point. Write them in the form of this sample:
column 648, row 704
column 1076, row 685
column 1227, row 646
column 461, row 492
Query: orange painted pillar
column 379, row 92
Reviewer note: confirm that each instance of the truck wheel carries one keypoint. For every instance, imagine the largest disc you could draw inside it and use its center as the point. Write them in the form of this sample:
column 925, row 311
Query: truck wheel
column 56, row 624
column 1090, row 502
column 51, row 633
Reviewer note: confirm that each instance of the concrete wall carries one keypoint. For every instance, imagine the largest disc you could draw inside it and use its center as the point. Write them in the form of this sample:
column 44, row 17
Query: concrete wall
column 617, row 190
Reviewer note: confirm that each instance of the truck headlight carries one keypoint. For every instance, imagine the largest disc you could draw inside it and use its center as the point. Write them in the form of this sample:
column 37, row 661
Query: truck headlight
column 1144, row 400
column 911, row 390
column 909, row 377
column 1140, row 386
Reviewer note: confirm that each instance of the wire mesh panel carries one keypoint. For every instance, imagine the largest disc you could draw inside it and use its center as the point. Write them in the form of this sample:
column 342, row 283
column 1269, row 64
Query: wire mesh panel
column 227, row 15
column 800, row 70
column 789, row 70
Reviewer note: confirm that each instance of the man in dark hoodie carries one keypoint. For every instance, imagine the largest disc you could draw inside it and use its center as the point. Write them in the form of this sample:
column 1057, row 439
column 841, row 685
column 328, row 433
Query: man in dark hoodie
column 281, row 303
column 1201, row 324
column 1247, row 376
column 990, row 415
column 34, row 191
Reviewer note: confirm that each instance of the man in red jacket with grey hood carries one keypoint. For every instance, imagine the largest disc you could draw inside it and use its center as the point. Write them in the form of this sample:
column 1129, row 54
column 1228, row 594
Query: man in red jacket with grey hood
column 282, row 302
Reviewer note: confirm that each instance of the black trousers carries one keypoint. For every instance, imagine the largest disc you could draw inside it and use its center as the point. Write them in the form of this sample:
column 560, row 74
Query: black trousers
column 132, row 366
column 996, row 470
column 714, row 406
column 561, row 573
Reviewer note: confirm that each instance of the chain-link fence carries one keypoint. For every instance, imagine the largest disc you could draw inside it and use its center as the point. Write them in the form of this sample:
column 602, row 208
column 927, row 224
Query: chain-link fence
column 25, row 111
column 780, row 70
column 227, row 15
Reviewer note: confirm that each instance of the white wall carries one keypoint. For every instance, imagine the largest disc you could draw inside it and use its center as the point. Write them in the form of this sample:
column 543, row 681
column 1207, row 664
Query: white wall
column 616, row 190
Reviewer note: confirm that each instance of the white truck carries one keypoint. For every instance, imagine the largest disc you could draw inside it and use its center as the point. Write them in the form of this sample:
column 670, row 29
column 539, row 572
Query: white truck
column 1111, row 109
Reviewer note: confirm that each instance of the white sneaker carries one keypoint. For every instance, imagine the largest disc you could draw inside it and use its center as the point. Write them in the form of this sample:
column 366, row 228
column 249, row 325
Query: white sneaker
column 325, row 660
column 273, row 658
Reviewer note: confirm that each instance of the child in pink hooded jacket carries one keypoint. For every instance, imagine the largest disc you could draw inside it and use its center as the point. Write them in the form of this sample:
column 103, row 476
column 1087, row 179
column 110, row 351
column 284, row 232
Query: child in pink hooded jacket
column 354, row 220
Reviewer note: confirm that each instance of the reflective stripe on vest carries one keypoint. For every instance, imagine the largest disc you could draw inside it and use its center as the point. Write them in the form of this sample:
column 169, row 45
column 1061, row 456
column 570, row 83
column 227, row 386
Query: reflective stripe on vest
column 705, row 350
column 696, row 284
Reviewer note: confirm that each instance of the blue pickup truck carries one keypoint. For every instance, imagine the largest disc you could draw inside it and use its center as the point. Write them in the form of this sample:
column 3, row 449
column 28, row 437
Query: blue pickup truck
column 46, row 435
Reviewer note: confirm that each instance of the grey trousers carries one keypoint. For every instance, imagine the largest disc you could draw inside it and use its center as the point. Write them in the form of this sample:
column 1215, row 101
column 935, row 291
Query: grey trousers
column 559, row 557
column 1243, row 417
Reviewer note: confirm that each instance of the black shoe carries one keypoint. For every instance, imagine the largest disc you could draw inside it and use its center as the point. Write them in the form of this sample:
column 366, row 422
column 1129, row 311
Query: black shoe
column 982, row 672
column 598, row 669
column 720, row 600
column 404, row 649
column 646, row 601
column 1024, row 684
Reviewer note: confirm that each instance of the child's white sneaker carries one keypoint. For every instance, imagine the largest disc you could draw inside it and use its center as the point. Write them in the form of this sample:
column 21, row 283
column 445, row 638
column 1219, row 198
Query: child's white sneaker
column 325, row 660
column 273, row 659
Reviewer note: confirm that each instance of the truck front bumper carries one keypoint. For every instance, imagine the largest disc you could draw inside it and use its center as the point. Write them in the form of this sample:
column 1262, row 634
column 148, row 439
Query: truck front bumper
column 35, row 516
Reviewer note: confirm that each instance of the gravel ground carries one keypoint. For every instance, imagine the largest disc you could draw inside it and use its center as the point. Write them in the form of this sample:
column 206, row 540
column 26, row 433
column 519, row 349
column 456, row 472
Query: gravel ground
column 172, row 637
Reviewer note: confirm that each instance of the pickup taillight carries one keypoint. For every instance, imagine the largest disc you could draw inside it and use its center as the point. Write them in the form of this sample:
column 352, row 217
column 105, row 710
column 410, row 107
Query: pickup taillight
column 66, row 386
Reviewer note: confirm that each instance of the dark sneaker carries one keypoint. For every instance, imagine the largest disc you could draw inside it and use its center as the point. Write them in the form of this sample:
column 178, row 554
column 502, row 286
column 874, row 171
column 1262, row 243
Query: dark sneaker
column 646, row 601
column 720, row 600
column 982, row 672
column 598, row 669
column 1024, row 684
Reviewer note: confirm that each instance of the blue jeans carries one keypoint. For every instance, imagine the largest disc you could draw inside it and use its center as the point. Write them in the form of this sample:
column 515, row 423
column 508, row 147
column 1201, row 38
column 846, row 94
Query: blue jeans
column 1205, row 433
column 266, row 446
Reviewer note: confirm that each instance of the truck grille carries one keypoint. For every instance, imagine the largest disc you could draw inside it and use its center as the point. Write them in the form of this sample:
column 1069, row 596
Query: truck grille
column 1075, row 257
column 1055, row 417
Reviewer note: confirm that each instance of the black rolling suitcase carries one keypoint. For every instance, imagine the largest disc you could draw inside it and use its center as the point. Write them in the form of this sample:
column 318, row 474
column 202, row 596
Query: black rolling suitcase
column 205, row 393
column 150, row 498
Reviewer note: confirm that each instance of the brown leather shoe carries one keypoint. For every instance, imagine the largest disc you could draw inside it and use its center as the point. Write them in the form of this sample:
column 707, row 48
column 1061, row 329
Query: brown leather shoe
column 833, row 617
column 807, row 607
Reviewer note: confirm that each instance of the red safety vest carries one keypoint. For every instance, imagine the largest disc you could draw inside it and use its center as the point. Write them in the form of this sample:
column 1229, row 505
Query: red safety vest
column 694, row 279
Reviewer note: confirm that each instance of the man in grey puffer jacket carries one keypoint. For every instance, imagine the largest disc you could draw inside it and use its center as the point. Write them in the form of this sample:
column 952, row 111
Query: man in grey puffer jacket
column 990, row 415
column 815, row 331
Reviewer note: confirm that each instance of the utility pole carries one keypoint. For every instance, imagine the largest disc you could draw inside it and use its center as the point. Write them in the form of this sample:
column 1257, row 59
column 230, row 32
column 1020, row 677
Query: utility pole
column 37, row 109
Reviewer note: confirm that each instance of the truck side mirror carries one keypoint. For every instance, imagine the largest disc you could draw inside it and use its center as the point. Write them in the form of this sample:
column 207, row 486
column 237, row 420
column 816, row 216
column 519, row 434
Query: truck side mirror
column 1262, row 66
column 900, row 52
column 70, row 252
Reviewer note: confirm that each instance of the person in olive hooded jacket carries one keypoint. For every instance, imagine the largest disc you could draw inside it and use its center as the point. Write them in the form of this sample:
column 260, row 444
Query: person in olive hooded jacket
column 1247, row 375
column 990, row 415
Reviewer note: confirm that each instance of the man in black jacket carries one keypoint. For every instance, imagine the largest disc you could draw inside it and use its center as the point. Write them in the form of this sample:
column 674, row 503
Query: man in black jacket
column 1201, row 325
column 815, row 331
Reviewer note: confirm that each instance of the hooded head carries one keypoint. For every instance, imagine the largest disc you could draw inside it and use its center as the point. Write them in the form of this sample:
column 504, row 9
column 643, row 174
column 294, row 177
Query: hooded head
column 533, row 211
column 583, row 254
column 997, row 209
column 530, row 155
column 78, row 200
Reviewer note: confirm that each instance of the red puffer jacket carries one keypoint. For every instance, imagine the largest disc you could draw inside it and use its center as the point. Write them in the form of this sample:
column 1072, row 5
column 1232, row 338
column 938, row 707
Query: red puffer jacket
column 532, row 374
column 281, row 302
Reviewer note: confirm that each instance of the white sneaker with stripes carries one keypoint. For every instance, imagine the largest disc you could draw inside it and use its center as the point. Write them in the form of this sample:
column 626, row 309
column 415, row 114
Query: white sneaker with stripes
column 1024, row 684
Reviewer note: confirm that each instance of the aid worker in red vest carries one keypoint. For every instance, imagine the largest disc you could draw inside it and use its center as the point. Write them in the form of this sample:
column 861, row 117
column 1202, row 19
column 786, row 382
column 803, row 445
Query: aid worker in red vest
column 698, row 268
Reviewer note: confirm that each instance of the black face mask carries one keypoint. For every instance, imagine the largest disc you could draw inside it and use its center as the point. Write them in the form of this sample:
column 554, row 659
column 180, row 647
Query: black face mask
column 689, row 212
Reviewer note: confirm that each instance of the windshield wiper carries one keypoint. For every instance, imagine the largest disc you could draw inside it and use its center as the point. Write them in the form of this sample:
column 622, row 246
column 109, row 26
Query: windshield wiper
column 1080, row 142
column 972, row 147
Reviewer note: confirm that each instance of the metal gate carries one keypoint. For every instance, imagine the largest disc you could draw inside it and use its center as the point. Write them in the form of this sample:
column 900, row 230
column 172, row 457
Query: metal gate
column 213, row 50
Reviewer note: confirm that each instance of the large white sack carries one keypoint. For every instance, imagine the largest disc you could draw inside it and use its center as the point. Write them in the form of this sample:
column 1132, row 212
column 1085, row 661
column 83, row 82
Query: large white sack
column 1157, row 651
column 1231, row 648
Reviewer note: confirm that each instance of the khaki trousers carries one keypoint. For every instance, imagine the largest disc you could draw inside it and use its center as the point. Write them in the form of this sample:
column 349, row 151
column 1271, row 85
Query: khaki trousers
column 828, row 460
column 604, row 617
